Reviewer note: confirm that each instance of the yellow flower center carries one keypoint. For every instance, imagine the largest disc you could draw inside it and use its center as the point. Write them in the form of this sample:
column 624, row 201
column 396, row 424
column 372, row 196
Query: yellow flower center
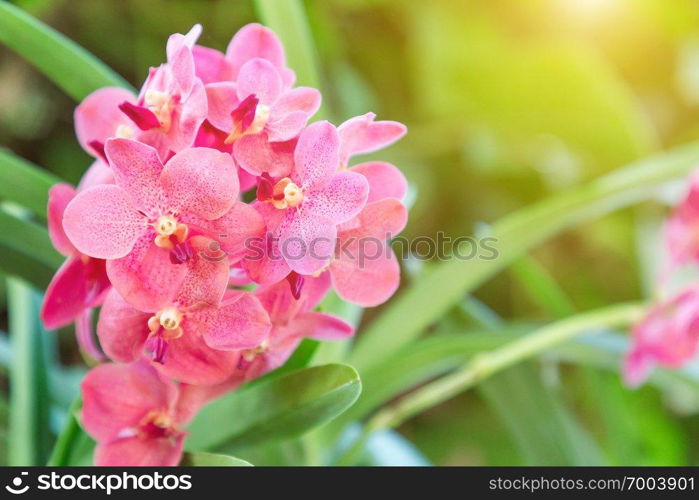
column 286, row 194
column 160, row 104
column 258, row 123
column 250, row 354
column 166, row 227
column 169, row 319
column 162, row 420
column 124, row 132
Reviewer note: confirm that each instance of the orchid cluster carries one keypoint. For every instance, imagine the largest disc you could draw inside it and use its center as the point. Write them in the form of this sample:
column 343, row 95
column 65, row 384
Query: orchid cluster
column 198, row 290
column 668, row 335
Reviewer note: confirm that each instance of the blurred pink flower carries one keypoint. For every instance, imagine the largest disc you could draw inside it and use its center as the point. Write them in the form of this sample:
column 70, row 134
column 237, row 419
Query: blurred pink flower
column 132, row 414
column 293, row 319
column 682, row 228
column 81, row 282
column 98, row 118
column 668, row 336
column 172, row 103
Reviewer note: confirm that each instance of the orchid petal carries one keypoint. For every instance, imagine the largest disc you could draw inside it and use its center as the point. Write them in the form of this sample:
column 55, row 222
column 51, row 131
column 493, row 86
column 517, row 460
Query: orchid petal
column 122, row 329
column 201, row 181
column 385, row 180
column 118, row 396
column 222, row 99
column 240, row 322
column 257, row 155
column 307, row 241
column 255, row 41
column 320, row 326
column 316, row 156
column 98, row 116
column 341, row 199
column 102, row 222
column 362, row 134
column 137, row 452
column 258, row 77
column 210, row 65
column 146, row 277
column 137, row 169
column 59, row 197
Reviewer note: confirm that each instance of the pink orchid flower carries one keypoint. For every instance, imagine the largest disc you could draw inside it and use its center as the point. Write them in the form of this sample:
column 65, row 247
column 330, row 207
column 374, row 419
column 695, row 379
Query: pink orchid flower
column 361, row 134
column 141, row 224
column 172, row 103
column 358, row 135
column 132, row 414
column 252, row 41
column 98, row 118
column 81, row 283
column 249, row 91
column 682, row 228
column 303, row 210
column 257, row 104
column 365, row 270
column 195, row 338
column 667, row 336
column 211, row 137
column 290, row 305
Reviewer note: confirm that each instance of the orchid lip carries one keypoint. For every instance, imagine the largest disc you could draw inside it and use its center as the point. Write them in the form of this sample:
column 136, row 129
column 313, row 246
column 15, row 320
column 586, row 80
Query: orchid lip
column 169, row 232
column 285, row 193
column 156, row 424
column 160, row 104
column 250, row 117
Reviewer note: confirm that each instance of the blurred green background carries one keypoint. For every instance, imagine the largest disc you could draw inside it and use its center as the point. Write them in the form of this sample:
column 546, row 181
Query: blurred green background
column 507, row 102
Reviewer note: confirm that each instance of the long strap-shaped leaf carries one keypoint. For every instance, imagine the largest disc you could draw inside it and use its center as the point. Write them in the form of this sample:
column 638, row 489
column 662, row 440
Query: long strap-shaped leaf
column 489, row 363
column 25, row 183
column 28, row 383
column 288, row 20
column 25, row 249
column 63, row 61
column 431, row 296
column 280, row 408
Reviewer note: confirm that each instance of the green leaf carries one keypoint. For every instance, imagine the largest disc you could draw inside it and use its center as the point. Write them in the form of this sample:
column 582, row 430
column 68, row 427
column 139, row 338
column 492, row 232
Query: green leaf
column 489, row 363
column 25, row 249
column 29, row 419
column 446, row 283
column 288, row 20
column 417, row 363
column 25, row 183
column 64, row 62
column 278, row 408
column 72, row 433
column 542, row 288
column 203, row 459
column 540, row 423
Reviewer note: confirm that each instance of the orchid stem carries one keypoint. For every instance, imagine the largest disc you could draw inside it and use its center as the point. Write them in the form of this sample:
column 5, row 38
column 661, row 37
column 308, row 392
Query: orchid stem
column 69, row 434
column 489, row 363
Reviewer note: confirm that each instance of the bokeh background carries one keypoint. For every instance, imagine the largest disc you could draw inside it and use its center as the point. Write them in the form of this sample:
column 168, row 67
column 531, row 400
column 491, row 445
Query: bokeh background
column 507, row 102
